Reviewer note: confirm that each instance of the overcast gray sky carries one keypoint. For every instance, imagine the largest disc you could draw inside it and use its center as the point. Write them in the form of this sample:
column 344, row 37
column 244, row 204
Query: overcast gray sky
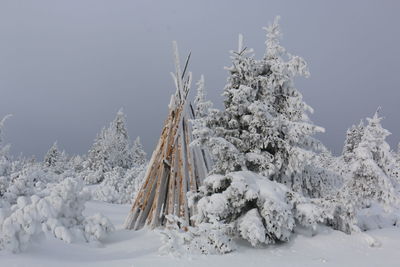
column 66, row 67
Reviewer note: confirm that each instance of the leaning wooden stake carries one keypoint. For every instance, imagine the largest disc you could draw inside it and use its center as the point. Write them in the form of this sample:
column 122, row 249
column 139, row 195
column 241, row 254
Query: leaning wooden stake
column 175, row 167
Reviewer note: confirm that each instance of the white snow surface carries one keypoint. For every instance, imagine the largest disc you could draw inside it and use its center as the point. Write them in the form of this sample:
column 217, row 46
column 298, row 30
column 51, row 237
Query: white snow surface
column 141, row 248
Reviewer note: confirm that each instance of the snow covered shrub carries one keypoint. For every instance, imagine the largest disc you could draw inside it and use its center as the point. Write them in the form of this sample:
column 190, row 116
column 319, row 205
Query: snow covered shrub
column 206, row 238
column 108, row 189
column 21, row 184
column 58, row 214
column 120, row 186
column 97, row 227
column 258, row 210
column 265, row 126
column 331, row 211
column 31, row 179
column 93, row 177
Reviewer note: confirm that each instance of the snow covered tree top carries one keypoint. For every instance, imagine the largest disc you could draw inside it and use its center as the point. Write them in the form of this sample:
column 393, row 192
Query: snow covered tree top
column 374, row 137
column 272, row 43
column 138, row 154
column 374, row 126
column 119, row 123
column 265, row 126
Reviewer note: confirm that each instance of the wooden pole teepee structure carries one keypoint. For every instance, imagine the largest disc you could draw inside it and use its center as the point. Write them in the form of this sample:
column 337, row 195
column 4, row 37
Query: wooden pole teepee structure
column 175, row 167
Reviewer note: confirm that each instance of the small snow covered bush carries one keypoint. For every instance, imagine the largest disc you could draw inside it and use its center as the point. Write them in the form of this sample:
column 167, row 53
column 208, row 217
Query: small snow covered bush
column 31, row 179
column 262, row 211
column 207, row 238
column 92, row 177
column 258, row 208
column 57, row 214
column 21, row 184
column 120, row 186
column 97, row 227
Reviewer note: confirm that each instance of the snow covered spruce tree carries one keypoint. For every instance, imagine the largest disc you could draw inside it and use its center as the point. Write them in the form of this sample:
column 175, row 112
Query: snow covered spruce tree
column 52, row 156
column 264, row 127
column 371, row 180
column 264, row 156
column 111, row 149
column 56, row 160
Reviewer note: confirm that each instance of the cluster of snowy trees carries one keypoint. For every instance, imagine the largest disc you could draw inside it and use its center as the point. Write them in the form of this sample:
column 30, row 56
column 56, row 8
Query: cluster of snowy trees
column 271, row 176
column 115, row 163
column 48, row 198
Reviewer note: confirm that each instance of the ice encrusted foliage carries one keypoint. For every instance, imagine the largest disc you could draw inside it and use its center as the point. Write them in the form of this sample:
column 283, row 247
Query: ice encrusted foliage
column 56, row 212
column 372, row 180
column 264, row 127
column 256, row 209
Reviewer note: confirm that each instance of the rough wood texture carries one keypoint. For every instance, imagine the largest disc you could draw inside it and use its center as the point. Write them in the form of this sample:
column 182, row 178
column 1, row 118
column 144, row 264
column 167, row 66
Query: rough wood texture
column 175, row 167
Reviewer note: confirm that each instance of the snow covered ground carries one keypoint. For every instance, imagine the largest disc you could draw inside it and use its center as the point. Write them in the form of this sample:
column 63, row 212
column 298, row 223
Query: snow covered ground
column 137, row 249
